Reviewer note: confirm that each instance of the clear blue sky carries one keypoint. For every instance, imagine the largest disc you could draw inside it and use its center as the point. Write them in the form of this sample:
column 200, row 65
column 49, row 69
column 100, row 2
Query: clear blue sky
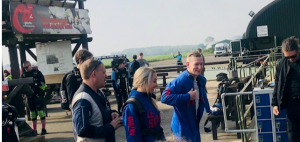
column 121, row 24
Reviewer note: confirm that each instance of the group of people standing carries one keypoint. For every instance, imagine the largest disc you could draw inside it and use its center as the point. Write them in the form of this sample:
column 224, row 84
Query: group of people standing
column 122, row 77
column 94, row 120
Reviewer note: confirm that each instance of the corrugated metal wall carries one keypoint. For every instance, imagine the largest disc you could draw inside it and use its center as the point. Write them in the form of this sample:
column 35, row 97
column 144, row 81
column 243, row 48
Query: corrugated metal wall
column 282, row 18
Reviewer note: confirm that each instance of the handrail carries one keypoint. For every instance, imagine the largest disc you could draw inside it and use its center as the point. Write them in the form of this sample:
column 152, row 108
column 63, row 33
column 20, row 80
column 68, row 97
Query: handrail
column 241, row 116
column 272, row 57
column 225, row 114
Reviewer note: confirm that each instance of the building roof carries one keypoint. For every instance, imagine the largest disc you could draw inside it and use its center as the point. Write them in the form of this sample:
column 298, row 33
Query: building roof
column 281, row 18
column 212, row 44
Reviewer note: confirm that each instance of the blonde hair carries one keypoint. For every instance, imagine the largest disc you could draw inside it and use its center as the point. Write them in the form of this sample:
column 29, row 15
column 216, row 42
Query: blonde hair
column 142, row 78
column 194, row 53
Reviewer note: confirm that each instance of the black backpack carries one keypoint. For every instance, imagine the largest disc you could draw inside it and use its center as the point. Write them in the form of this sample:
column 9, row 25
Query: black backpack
column 64, row 94
column 145, row 131
column 132, row 68
column 221, row 76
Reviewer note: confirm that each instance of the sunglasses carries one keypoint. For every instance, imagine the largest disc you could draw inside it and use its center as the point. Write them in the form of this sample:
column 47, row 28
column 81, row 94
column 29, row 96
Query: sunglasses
column 291, row 57
column 99, row 63
column 26, row 67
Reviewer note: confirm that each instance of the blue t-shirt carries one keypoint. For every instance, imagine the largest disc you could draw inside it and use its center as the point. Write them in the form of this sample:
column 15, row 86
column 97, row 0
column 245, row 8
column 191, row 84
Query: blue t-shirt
column 178, row 57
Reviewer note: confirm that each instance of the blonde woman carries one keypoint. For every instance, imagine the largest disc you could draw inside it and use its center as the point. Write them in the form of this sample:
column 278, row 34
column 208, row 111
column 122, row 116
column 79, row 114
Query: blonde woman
column 141, row 118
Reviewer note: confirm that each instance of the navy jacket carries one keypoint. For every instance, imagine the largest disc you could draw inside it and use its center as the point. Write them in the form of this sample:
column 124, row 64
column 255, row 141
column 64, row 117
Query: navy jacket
column 121, row 75
column 87, row 120
column 185, row 123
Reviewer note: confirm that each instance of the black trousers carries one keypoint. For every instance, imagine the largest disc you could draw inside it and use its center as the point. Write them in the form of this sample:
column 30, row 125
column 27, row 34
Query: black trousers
column 121, row 98
column 293, row 121
column 179, row 63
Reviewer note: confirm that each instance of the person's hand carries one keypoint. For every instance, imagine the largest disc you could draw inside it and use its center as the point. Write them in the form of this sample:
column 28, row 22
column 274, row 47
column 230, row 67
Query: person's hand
column 193, row 94
column 275, row 110
column 116, row 123
column 114, row 115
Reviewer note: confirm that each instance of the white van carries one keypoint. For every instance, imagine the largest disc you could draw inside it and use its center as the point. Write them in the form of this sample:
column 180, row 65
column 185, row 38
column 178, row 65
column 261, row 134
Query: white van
column 221, row 49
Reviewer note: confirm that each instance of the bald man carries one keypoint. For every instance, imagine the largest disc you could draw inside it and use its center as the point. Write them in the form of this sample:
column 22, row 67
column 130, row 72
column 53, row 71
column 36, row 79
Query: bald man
column 35, row 101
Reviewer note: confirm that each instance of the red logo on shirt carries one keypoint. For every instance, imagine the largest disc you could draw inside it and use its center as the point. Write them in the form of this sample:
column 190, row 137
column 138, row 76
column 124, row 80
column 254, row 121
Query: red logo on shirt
column 190, row 103
column 131, row 125
column 168, row 92
column 152, row 119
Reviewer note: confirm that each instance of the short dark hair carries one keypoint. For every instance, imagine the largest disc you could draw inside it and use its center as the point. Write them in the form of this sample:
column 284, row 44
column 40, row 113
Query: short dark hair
column 82, row 55
column 6, row 71
column 141, row 54
column 199, row 49
column 134, row 56
column 290, row 44
column 120, row 61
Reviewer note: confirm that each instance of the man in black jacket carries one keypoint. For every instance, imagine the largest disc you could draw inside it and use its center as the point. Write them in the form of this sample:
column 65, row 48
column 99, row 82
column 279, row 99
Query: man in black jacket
column 287, row 87
column 134, row 65
column 121, row 83
column 73, row 78
column 35, row 101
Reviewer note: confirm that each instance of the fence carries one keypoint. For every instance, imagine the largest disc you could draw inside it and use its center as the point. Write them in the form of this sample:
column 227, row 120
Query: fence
column 241, row 109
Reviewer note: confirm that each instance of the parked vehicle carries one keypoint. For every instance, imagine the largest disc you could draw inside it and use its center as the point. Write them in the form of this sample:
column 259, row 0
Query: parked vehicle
column 221, row 49
column 235, row 48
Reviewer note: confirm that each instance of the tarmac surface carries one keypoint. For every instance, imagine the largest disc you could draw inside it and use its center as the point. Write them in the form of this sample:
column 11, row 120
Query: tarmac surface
column 59, row 124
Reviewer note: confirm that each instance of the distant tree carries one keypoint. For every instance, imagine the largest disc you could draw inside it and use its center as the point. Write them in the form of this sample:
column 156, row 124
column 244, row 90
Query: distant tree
column 201, row 45
column 209, row 39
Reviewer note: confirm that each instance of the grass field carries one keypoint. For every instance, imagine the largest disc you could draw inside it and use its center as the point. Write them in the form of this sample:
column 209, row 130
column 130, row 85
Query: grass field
column 152, row 58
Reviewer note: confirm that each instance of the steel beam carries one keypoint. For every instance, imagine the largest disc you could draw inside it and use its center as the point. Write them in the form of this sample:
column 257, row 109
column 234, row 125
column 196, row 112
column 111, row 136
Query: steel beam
column 76, row 48
column 14, row 62
column 22, row 55
column 31, row 54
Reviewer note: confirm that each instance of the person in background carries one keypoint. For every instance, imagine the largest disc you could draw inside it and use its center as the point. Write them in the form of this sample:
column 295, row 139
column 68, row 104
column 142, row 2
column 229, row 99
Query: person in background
column 263, row 72
column 142, row 61
column 134, row 65
column 93, row 120
column 178, row 56
column 203, row 70
column 73, row 78
column 35, row 101
column 127, row 61
column 121, row 82
column 245, row 52
column 187, row 95
column 7, row 75
column 145, row 82
column 286, row 93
